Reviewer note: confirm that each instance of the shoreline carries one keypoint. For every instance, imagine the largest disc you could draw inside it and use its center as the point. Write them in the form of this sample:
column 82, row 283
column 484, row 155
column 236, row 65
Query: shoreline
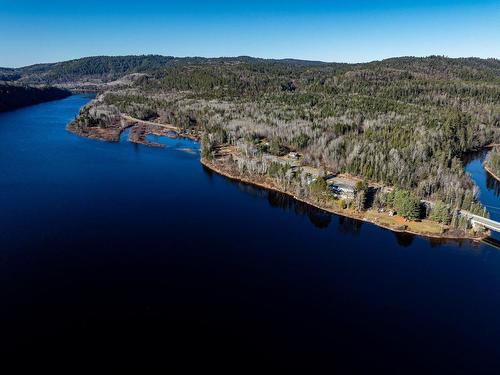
column 113, row 135
column 139, row 129
column 216, row 169
column 488, row 170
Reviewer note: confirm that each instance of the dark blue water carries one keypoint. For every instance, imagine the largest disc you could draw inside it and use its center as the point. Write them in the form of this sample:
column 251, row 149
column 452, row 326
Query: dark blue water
column 139, row 256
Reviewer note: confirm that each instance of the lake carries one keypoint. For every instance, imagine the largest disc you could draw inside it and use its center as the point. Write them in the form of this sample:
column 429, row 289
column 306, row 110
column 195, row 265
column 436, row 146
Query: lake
column 140, row 256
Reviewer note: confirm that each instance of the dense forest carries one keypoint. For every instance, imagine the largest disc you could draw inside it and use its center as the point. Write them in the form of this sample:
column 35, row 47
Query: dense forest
column 401, row 122
column 17, row 96
column 109, row 68
column 7, row 74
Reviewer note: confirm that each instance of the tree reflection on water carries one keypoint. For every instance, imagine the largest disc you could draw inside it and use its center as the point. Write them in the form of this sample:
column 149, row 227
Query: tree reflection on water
column 322, row 219
column 404, row 239
column 319, row 218
column 492, row 184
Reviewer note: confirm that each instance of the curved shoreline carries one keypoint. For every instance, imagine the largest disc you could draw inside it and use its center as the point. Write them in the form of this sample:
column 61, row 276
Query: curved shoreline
column 487, row 169
column 398, row 228
column 211, row 166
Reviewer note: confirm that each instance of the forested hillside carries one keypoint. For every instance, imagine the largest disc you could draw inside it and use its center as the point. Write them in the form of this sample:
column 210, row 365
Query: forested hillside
column 402, row 122
column 109, row 68
column 7, row 74
column 16, row 96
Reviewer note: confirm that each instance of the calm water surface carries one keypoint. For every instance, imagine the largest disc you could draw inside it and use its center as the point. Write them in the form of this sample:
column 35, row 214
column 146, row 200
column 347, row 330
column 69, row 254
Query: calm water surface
column 140, row 255
column 489, row 187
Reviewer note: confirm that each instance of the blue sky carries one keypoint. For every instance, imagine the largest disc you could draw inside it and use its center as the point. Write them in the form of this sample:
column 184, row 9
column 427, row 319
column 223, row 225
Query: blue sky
column 345, row 31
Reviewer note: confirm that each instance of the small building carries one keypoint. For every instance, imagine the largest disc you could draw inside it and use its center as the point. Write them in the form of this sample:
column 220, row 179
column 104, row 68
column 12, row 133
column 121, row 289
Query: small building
column 343, row 190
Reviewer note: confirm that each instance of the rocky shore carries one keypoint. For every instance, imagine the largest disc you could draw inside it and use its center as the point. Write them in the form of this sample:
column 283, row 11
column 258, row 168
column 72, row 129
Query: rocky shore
column 98, row 121
column 105, row 122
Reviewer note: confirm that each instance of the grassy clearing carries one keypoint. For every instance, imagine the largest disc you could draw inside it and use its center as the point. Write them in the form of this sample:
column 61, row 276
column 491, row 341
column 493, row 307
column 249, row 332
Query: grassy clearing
column 398, row 223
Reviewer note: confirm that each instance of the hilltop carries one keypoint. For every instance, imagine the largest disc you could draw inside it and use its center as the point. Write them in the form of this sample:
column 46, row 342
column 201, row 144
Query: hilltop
column 109, row 68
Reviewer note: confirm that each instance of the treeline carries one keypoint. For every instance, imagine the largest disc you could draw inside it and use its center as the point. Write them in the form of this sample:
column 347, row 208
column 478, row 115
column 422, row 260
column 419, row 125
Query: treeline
column 16, row 96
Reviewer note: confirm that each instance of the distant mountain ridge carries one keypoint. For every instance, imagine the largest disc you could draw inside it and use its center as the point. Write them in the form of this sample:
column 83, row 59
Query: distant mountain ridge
column 109, row 68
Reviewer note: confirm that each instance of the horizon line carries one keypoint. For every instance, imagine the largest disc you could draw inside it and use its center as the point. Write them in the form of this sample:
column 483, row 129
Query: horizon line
column 254, row 57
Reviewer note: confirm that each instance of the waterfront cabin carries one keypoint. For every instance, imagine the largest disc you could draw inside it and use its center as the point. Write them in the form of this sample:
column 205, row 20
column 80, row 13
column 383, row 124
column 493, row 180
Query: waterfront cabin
column 342, row 190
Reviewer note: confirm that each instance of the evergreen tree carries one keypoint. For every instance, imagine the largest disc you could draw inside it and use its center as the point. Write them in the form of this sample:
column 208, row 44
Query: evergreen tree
column 440, row 213
column 406, row 204
column 319, row 188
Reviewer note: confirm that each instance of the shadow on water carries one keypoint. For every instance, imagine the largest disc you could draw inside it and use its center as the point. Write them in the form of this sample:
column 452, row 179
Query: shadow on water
column 469, row 157
column 319, row 218
column 127, row 254
column 348, row 225
column 322, row 219
column 473, row 162
column 489, row 187
column 493, row 184
column 492, row 242
column 124, row 135
column 404, row 239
